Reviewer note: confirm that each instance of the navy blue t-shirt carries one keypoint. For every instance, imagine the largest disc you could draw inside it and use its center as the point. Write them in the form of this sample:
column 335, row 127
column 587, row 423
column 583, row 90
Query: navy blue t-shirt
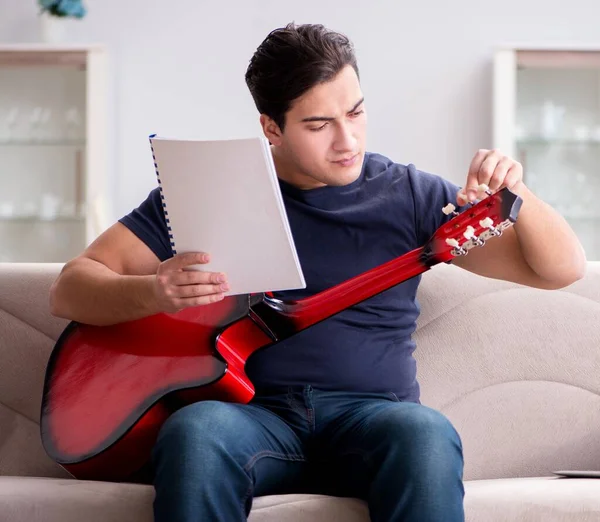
column 340, row 232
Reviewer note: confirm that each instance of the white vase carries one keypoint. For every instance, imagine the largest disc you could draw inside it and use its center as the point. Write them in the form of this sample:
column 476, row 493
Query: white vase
column 52, row 28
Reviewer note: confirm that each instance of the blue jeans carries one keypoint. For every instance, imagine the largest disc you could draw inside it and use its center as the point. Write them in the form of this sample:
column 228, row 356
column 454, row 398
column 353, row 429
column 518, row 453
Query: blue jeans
column 403, row 458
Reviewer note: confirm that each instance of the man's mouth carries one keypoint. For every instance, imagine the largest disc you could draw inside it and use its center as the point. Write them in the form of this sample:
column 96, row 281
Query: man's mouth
column 346, row 162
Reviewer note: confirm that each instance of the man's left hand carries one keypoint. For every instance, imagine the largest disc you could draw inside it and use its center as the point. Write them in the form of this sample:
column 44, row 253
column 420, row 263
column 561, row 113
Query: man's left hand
column 493, row 169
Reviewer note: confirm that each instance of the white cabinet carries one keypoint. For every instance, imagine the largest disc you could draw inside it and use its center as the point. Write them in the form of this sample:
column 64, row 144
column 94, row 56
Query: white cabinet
column 53, row 137
column 547, row 115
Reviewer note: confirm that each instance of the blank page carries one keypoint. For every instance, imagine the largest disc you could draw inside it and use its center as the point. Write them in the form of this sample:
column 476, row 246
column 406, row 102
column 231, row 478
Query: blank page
column 222, row 197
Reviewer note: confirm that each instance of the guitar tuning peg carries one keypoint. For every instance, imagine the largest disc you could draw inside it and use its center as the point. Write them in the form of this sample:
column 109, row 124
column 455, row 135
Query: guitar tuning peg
column 484, row 188
column 469, row 232
column 450, row 209
column 489, row 224
column 458, row 250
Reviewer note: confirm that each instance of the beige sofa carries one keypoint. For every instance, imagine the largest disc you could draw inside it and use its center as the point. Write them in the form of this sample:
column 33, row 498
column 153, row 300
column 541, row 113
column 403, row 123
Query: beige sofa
column 516, row 370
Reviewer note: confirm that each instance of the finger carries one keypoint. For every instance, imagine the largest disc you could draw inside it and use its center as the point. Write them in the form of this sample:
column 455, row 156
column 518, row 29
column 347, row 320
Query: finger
column 190, row 291
column 196, row 277
column 472, row 183
column 180, row 261
column 461, row 197
column 499, row 174
column 488, row 166
column 187, row 302
column 514, row 175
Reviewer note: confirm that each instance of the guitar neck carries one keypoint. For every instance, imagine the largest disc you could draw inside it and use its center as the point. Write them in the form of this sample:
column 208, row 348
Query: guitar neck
column 481, row 222
column 283, row 319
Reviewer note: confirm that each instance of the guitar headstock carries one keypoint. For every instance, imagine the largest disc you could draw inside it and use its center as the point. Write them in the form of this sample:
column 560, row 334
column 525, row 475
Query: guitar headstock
column 473, row 226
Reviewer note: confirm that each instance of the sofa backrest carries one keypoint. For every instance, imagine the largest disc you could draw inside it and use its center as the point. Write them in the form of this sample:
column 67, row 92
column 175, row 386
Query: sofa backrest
column 515, row 369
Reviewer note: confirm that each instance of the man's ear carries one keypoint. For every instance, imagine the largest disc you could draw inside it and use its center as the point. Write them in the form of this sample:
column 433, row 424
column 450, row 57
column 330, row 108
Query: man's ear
column 271, row 130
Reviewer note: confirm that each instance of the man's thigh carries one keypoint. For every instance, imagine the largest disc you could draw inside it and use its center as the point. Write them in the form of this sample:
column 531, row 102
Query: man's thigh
column 355, row 443
column 213, row 438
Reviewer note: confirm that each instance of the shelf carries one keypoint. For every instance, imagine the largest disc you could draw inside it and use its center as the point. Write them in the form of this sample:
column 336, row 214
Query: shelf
column 558, row 59
column 38, row 219
column 545, row 113
column 42, row 143
column 34, row 240
column 53, row 149
column 557, row 142
column 43, row 56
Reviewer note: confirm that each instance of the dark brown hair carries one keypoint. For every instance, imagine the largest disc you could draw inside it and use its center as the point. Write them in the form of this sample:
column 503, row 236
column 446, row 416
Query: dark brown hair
column 292, row 60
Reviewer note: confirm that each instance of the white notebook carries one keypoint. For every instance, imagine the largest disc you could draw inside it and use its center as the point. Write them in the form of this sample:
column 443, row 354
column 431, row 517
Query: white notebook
column 222, row 197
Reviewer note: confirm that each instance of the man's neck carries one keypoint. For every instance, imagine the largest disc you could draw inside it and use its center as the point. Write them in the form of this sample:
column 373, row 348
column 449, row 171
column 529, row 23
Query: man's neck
column 287, row 172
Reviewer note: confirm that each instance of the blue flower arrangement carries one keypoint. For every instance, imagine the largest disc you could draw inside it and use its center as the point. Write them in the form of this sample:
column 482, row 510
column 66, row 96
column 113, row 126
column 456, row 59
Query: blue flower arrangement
column 63, row 8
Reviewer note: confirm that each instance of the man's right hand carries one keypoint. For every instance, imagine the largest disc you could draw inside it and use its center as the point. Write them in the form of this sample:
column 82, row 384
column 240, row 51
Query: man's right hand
column 176, row 288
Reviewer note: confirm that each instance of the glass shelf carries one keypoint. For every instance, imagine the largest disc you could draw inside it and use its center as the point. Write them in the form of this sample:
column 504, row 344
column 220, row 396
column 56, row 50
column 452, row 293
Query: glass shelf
column 547, row 115
column 52, row 150
column 38, row 219
column 525, row 142
column 35, row 239
column 42, row 143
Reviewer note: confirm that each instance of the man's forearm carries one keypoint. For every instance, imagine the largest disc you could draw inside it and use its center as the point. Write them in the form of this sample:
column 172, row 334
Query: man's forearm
column 548, row 243
column 88, row 292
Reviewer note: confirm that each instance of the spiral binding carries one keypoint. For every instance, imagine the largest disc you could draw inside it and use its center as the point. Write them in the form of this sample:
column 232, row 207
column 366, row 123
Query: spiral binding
column 162, row 197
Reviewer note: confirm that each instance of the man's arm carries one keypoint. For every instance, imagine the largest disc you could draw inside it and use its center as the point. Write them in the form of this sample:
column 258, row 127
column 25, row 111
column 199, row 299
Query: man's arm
column 541, row 250
column 118, row 278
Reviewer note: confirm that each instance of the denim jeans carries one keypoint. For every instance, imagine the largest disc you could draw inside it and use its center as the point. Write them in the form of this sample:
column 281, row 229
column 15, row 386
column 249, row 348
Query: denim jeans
column 403, row 458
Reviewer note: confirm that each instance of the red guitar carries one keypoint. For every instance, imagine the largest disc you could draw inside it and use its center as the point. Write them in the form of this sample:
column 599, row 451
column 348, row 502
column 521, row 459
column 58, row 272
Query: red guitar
column 108, row 389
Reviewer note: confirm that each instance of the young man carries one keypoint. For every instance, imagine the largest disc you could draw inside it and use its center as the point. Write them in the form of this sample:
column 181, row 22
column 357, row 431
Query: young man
column 337, row 406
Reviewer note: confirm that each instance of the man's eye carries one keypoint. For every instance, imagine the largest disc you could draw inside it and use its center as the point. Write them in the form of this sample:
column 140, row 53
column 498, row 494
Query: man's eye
column 357, row 113
column 317, row 129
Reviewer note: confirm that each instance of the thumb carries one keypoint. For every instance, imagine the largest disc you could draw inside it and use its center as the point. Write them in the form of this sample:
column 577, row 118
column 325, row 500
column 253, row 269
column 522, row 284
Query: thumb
column 472, row 187
column 461, row 197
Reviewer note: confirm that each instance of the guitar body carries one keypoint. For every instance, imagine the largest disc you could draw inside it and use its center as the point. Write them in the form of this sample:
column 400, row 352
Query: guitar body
column 108, row 390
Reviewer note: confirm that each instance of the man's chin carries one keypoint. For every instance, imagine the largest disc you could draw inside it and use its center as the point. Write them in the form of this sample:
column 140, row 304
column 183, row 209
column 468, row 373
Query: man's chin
column 345, row 178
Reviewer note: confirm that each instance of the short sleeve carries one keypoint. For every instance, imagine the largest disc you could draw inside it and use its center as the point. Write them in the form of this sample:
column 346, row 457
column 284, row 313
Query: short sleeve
column 430, row 193
column 148, row 223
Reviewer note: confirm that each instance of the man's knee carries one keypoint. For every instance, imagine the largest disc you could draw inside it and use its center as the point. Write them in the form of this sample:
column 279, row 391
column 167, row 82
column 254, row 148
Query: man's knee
column 199, row 426
column 424, row 434
column 428, row 424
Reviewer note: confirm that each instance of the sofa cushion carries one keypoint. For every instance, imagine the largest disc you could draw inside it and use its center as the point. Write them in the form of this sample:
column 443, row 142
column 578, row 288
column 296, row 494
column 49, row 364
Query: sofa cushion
column 26, row 293
column 24, row 351
column 308, row 508
column 24, row 499
column 21, row 451
column 545, row 499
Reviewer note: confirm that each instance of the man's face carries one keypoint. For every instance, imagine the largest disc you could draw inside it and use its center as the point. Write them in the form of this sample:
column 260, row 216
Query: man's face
column 323, row 142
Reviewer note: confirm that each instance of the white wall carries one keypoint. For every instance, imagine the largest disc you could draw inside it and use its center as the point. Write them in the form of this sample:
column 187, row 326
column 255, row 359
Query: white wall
column 177, row 68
